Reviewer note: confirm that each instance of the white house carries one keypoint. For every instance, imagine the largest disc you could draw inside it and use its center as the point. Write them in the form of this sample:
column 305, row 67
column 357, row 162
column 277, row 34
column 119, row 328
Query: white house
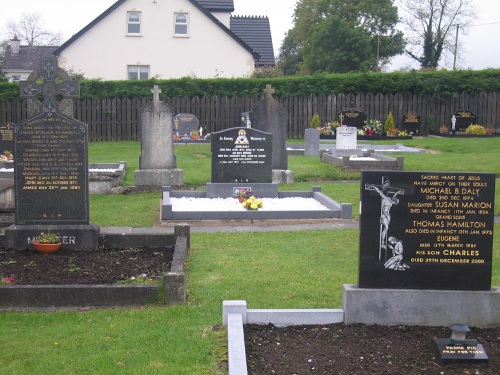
column 141, row 39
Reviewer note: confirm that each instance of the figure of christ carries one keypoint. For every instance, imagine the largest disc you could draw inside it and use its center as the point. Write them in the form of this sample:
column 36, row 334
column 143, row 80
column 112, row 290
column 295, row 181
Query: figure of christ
column 388, row 199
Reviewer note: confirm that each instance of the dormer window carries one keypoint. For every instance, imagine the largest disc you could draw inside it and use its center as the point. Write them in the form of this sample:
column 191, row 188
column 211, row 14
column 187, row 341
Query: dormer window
column 134, row 22
column 181, row 24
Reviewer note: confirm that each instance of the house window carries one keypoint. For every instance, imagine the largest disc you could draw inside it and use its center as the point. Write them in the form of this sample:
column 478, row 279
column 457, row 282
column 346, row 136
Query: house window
column 138, row 72
column 16, row 78
column 181, row 24
column 134, row 22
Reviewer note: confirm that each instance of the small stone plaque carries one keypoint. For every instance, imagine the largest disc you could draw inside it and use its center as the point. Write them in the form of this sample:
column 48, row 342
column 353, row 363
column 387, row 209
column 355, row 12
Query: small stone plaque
column 352, row 117
column 411, row 123
column 6, row 138
column 426, row 230
column 471, row 351
column 241, row 155
column 464, row 118
column 186, row 124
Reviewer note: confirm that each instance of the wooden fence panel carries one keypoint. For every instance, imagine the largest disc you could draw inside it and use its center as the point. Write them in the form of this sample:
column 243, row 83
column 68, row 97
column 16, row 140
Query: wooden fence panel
column 118, row 119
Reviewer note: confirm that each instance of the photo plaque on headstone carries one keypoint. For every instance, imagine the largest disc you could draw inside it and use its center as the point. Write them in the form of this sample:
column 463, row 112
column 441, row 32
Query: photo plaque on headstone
column 426, row 230
column 242, row 155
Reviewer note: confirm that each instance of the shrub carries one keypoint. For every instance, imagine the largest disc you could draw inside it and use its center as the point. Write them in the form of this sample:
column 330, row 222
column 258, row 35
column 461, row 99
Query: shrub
column 315, row 122
column 389, row 123
column 475, row 130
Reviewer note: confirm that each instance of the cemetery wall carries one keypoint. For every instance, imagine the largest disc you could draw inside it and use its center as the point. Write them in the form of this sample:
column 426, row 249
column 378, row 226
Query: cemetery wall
column 118, row 119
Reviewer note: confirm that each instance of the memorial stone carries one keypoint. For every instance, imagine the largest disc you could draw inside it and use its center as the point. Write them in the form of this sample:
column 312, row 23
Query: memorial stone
column 241, row 155
column 464, row 118
column 186, row 124
column 347, row 142
column 352, row 117
column 51, row 166
column 157, row 163
column 411, row 123
column 311, row 142
column 426, row 230
column 6, row 138
column 270, row 116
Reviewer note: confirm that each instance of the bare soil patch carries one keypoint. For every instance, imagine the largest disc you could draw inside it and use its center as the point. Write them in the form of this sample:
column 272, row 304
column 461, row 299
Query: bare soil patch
column 360, row 349
column 66, row 267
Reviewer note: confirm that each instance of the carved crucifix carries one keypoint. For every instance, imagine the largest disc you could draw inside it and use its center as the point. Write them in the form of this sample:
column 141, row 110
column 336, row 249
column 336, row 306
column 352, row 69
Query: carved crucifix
column 49, row 88
column 156, row 93
column 388, row 196
column 269, row 91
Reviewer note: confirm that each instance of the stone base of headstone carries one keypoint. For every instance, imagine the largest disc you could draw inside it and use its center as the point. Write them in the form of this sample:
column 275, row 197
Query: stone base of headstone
column 281, row 176
column 311, row 142
column 421, row 307
column 74, row 237
column 158, row 177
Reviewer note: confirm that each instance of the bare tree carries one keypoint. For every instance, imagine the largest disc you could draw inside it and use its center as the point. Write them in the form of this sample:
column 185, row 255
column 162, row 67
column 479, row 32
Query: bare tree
column 432, row 27
column 31, row 29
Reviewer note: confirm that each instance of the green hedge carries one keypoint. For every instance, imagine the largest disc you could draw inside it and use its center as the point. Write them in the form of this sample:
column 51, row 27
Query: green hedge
column 441, row 85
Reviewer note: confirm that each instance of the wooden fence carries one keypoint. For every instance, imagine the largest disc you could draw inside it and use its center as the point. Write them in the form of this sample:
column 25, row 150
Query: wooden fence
column 118, row 119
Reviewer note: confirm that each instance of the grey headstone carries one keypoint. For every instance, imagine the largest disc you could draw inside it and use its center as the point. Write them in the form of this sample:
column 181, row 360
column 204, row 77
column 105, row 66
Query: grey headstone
column 272, row 117
column 311, row 142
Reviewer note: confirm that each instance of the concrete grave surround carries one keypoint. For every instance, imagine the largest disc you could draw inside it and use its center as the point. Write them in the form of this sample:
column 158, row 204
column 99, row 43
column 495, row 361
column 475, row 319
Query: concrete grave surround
column 157, row 163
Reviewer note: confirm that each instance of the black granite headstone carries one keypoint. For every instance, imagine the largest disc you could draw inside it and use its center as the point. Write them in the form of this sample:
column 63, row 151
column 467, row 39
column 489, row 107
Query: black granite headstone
column 50, row 157
column 6, row 138
column 426, row 230
column 186, row 123
column 352, row 117
column 241, row 155
column 411, row 123
column 464, row 118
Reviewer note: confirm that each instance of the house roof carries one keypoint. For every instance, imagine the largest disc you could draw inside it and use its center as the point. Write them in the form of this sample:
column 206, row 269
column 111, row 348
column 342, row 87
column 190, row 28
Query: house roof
column 196, row 3
column 256, row 32
column 217, row 5
column 28, row 57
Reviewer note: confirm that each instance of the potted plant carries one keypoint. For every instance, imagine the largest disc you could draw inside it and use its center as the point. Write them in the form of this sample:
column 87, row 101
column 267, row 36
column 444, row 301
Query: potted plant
column 243, row 195
column 47, row 243
column 195, row 135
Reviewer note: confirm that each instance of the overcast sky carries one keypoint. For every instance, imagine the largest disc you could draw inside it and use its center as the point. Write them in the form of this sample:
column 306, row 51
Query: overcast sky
column 69, row 16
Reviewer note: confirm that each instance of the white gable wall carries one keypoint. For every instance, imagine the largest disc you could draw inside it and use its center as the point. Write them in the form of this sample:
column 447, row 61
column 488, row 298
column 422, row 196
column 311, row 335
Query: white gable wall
column 105, row 50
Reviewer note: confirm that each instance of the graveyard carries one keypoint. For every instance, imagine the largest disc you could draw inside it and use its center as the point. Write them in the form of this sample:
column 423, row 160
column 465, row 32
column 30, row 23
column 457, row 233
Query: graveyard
column 408, row 255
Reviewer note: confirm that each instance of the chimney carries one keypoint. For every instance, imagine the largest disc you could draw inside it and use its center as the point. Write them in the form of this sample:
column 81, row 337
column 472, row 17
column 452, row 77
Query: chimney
column 14, row 45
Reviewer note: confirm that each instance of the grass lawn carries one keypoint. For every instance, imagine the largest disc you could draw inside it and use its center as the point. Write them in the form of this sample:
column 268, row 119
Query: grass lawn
column 284, row 269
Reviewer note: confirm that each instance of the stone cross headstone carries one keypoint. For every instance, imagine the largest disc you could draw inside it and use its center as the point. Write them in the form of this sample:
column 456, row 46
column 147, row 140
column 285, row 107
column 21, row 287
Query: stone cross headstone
column 51, row 165
column 426, row 230
column 241, row 155
column 157, row 163
column 270, row 116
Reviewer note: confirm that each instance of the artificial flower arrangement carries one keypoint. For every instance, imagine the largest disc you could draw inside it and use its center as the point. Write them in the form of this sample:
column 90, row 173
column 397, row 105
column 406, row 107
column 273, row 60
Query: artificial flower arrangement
column 7, row 280
column 372, row 127
column 7, row 155
column 244, row 194
column 48, row 238
column 252, row 203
